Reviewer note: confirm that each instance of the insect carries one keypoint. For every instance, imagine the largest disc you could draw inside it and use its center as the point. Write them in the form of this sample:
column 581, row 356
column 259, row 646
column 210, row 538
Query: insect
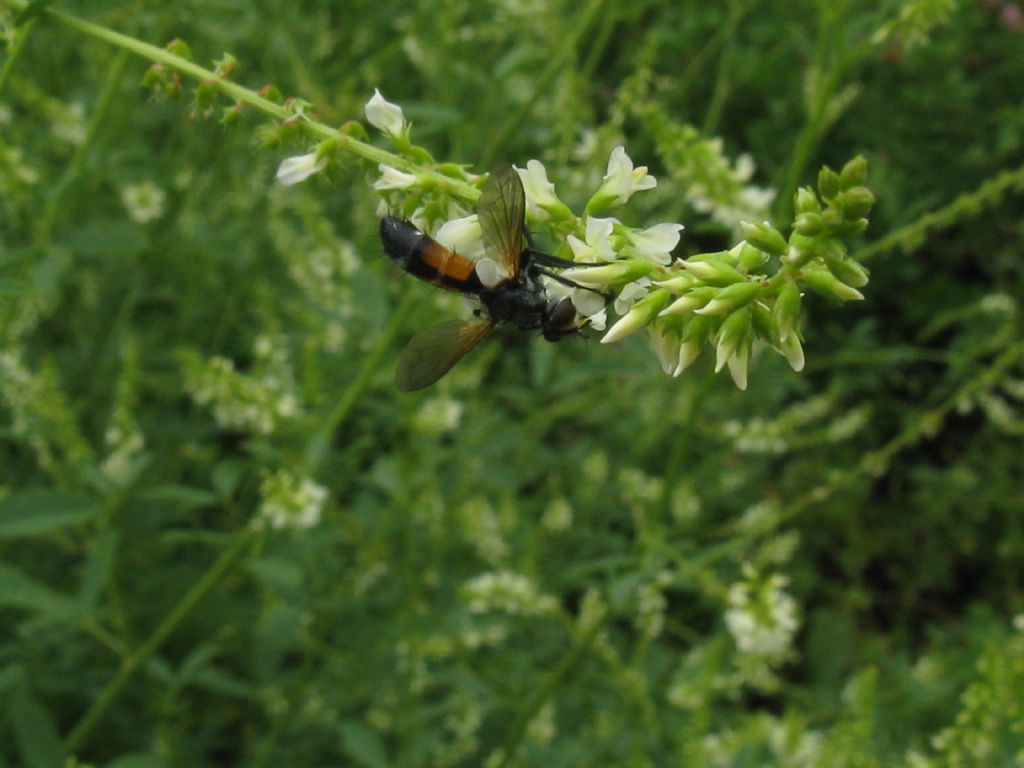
column 508, row 282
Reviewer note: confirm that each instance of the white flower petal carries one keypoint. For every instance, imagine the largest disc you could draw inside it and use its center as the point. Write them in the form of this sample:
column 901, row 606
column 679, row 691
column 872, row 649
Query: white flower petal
column 384, row 115
column 293, row 170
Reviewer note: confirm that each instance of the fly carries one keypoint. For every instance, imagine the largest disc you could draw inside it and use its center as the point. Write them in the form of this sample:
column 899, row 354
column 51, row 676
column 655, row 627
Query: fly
column 508, row 281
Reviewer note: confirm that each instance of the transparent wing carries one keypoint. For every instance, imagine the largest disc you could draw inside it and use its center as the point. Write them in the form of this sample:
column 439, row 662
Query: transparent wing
column 501, row 209
column 431, row 353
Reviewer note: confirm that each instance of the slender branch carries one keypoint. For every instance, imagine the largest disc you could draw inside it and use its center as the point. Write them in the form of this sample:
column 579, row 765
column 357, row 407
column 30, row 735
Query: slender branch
column 20, row 38
column 247, row 96
column 131, row 663
column 318, row 444
column 973, row 203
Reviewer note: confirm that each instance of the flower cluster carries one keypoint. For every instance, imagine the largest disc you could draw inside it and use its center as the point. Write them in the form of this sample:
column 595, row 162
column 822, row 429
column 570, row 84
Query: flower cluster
column 257, row 401
column 290, row 501
column 506, row 592
column 762, row 617
column 751, row 293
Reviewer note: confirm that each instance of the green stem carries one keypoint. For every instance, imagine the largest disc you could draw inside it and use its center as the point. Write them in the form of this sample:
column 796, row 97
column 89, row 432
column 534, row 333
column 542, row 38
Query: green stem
column 318, row 444
column 969, row 204
column 244, row 95
column 556, row 65
column 131, row 663
column 70, row 175
column 547, row 689
column 20, row 38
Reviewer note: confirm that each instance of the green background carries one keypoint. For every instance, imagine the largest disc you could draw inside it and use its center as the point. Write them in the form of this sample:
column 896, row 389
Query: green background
column 145, row 620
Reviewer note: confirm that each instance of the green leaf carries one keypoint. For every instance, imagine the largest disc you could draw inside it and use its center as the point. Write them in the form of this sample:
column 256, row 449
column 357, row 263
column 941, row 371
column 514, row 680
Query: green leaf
column 184, row 496
column 98, row 566
column 363, row 745
column 41, row 510
column 35, row 732
column 18, row 590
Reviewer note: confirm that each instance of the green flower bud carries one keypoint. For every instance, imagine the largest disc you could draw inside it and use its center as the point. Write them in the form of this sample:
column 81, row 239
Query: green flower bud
column 809, row 224
column 824, row 282
column 831, row 251
column 272, row 93
column 786, row 310
column 695, row 332
column 764, row 324
column 765, row 237
column 750, row 258
column 180, row 48
column 726, row 257
column 832, row 218
column 155, row 77
column 678, row 285
column 231, row 115
column 793, row 351
column 854, row 173
column 805, row 201
column 850, row 272
column 733, row 346
column 801, row 250
column 731, row 297
column 855, row 202
column 615, row 273
column 225, row 66
column 691, row 300
column 641, row 314
column 714, row 272
column 828, row 183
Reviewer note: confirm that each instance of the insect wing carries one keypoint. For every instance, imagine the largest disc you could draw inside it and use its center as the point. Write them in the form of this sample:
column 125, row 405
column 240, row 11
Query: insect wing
column 431, row 353
column 501, row 209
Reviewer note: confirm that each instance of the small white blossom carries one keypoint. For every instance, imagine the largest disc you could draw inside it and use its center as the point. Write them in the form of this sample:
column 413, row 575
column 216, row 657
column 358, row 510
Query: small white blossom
column 621, row 181
column 392, row 178
column 541, row 200
column 293, row 170
column 597, row 248
column 291, row 501
column 438, row 416
column 463, row 236
column 385, row 116
column 144, row 202
column 655, row 243
column 630, row 294
column 762, row 617
column 507, row 592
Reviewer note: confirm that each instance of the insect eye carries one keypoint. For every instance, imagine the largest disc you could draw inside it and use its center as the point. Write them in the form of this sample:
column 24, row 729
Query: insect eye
column 561, row 314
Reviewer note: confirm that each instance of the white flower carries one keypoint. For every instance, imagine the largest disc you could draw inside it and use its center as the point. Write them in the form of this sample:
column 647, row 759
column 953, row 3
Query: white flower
column 392, row 178
column 291, row 501
column 438, row 416
column 655, row 243
column 630, row 293
column 384, row 115
column 299, row 168
column 762, row 618
column 541, row 200
column 665, row 341
column 597, row 248
column 144, row 202
column 621, row 181
column 463, row 236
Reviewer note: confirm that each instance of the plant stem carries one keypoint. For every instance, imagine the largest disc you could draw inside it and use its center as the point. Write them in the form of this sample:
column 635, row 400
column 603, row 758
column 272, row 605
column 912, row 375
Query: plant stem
column 171, row 622
column 70, row 175
column 20, row 38
column 973, row 203
column 246, row 96
column 547, row 689
column 318, row 444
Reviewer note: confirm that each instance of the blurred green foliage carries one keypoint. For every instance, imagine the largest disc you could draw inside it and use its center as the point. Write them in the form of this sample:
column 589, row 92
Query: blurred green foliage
column 227, row 540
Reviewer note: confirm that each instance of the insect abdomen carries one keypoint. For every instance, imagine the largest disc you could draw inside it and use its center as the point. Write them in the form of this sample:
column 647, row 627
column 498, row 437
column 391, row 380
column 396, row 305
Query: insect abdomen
column 423, row 257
